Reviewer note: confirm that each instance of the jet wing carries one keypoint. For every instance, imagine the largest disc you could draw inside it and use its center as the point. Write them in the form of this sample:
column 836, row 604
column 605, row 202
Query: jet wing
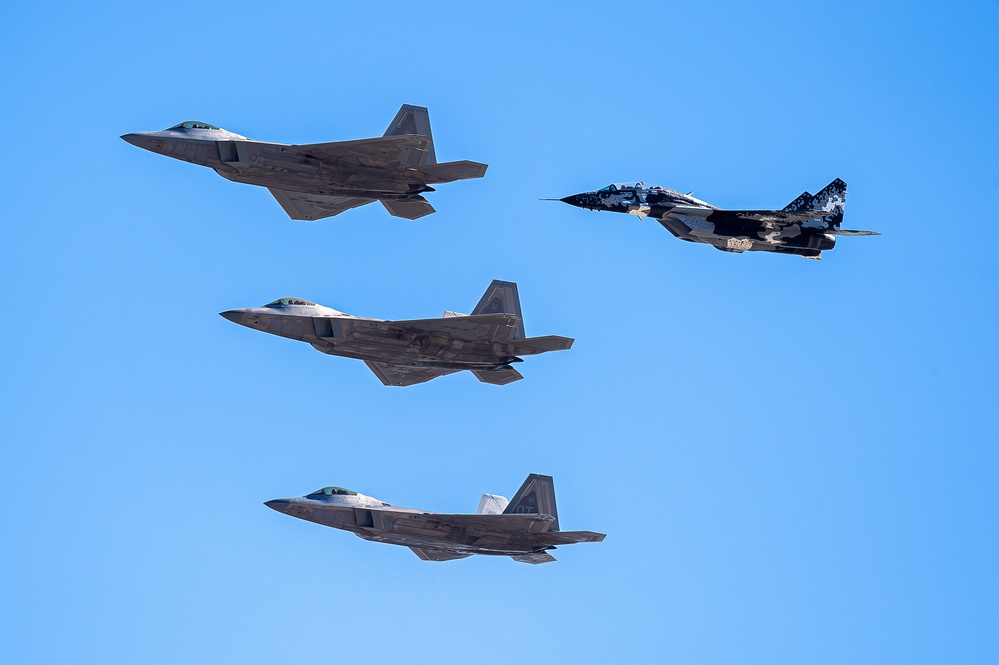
column 428, row 554
column 315, row 206
column 472, row 328
column 524, row 523
column 404, row 151
column 766, row 217
column 405, row 375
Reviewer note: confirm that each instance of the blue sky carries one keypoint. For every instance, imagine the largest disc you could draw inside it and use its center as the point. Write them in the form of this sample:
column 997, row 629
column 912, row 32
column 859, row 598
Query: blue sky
column 793, row 460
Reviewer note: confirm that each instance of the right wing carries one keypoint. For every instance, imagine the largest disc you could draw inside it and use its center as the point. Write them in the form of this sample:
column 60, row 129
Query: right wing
column 428, row 554
column 405, row 375
column 311, row 207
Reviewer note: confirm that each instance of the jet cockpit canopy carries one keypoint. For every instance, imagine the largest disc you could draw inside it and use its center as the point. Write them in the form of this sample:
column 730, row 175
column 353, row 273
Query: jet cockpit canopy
column 194, row 124
column 285, row 302
column 618, row 186
column 330, row 491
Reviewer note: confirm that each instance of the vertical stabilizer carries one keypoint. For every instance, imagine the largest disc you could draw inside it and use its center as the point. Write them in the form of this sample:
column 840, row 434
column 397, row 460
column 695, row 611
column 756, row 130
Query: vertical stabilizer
column 828, row 204
column 413, row 120
column 502, row 298
column 492, row 504
column 535, row 497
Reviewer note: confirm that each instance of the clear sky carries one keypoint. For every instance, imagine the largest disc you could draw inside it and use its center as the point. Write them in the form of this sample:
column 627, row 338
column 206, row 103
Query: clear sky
column 794, row 461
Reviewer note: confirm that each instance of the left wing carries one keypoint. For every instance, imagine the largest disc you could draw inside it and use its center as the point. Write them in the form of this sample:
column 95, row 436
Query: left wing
column 486, row 525
column 405, row 375
column 476, row 327
column 765, row 217
column 762, row 217
column 311, row 207
column 404, row 151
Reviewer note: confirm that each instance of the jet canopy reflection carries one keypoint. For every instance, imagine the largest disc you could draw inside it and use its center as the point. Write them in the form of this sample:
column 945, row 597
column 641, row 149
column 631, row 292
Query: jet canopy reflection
column 194, row 124
column 330, row 491
column 613, row 187
column 285, row 302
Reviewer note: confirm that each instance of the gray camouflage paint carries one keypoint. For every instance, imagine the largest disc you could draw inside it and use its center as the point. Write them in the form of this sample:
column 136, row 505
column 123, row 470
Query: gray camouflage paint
column 320, row 180
column 400, row 353
column 525, row 528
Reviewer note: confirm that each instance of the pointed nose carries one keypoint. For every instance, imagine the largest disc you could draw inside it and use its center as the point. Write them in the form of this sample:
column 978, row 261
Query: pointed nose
column 574, row 200
column 137, row 139
column 280, row 505
column 234, row 315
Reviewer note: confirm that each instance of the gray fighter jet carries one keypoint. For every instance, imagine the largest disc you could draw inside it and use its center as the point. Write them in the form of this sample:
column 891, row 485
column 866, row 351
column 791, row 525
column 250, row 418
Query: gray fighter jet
column 524, row 529
column 806, row 226
column 402, row 353
column 318, row 180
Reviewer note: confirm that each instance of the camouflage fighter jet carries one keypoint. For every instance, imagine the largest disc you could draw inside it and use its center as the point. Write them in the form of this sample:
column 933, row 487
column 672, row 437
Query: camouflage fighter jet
column 402, row 353
column 318, row 180
column 524, row 529
column 806, row 226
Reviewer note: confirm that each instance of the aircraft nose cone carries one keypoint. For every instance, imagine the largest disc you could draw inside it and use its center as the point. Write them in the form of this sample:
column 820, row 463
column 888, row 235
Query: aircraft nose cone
column 234, row 315
column 280, row 505
column 138, row 140
column 574, row 200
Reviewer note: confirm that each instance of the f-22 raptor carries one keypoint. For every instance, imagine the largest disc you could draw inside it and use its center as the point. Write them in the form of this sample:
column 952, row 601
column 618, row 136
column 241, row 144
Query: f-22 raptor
column 402, row 353
column 806, row 226
column 318, row 180
column 524, row 529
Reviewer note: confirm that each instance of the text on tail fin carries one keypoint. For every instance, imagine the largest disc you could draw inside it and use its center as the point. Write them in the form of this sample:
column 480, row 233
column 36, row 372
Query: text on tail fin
column 413, row 120
column 535, row 497
column 502, row 298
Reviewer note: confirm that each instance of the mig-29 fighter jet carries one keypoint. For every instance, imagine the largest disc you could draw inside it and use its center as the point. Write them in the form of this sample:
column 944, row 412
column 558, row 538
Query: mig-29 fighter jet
column 806, row 226
column 402, row 353
column 318, row 180
column 524, row 529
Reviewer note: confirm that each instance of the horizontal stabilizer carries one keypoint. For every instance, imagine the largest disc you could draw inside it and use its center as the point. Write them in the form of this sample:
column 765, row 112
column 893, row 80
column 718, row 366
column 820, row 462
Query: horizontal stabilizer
column 554, row 538
column 451, row 171
column 850, row 232
column 534, row 557
column 532, row 345
column 411, row 209
column 498, row 377
column 428, row 554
